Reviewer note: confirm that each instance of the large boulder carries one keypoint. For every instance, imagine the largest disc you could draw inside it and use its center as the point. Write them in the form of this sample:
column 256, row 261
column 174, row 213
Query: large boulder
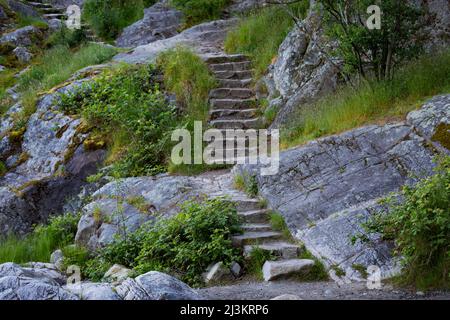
column 326, row 189
column 160, row 21
column 205, row 38
column 18, row 283
column 141, row 200
column 156, row 286
column 303, row 71
column 51, row 163
column 21, row 37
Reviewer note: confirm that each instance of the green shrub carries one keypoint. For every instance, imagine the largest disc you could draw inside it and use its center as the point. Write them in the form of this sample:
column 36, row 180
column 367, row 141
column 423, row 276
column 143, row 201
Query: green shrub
column 183, row 245
column 109, row 17
column 352, row 107
column 131, row 114
column 39, row 245
column 247, row 183
column 189, row 242
column 67, row 37
column 261, row 33
column 256, row 261
column 188, row 77
column 197, row 11
column 420, row 226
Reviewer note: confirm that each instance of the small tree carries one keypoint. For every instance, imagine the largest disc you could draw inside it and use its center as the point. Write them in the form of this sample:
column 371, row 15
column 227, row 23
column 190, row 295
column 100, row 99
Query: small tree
column 373, row 52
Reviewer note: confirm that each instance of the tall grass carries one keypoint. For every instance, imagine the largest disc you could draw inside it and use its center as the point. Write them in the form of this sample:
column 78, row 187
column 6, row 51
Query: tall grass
column 39, row 245
column 260, row 34
column 197, row 11
column 186, row 75
column 371, row 102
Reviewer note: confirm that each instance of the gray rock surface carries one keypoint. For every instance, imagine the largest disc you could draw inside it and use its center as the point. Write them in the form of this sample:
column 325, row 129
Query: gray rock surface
column 20, row 37
column 160, row 22
column 216, row 272
column 205, row 38
column 23, row 55
column 326, row 188
column 53, row 164
column 303, row 71
column 273, row 270
column 156, row 286
column 22, row 8
column 242, row 6
column 35, row 283
column 117, row 273
column 93, row 291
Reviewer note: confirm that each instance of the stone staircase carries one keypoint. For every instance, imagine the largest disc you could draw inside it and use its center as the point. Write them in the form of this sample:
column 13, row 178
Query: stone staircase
column 234, row 106
column 50, row 12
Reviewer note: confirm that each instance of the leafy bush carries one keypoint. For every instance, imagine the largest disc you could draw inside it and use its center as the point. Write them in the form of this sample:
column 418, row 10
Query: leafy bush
column 376, row 51
column 109, row 17
column 130, row 115
column 183, row 245
column 188, row 77
column 39, row 245
column 420, row 226
column 197, row 11
column 261, row 33
column 373, row 102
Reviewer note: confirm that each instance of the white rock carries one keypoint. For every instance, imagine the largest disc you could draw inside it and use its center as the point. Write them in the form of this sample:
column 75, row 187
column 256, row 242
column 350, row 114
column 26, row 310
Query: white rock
column 117, row 273
column 57, row 259
column 276, row 269
column 216, row 272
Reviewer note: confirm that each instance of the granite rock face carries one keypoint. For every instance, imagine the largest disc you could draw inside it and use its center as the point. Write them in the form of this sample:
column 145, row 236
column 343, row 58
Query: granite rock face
column 21, row 37
column 47, row 162
column 160, row 22
column 205, row 38
column 327, row 188
column 303, row 71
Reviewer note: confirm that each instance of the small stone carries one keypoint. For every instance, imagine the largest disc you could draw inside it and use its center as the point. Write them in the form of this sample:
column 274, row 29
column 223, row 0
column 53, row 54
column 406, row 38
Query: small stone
column 2, row 68
column 22, row 54
column 216, row 272
column 236, row 269
column 276, row 269
column 57, row 258
column 420, row 293
column 117, row 273
column 287, row 297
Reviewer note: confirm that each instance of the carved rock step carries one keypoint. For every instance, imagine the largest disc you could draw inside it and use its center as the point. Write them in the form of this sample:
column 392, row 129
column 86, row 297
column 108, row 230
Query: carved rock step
column 226, row 114
column 233, row 93
column 256, row 216
column 280, row 249
column 237, row 75
column 243, row 204
column 225, row 58
column 233, row 83
column 39, row 4
column 273, row 270
column 237, row 123
column 231, row 66
column 54, row 16
column 233, row 103
column 255, row 237
column 50, row 10
column 256, row 227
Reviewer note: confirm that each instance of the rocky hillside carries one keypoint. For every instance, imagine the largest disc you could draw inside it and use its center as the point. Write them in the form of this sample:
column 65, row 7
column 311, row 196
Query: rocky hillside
column 76, row 139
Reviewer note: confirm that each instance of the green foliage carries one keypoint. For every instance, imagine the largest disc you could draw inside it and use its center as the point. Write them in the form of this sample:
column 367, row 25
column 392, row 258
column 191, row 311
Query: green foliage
column 128, row 109
column 23, row 21
column 109, row 17
column 189, row 242
column 3, row 169
column 188, row 77
column 66, row 37
column 420, row 226
column 260, row 34
column 256, row 261
column 246, row 183
column 352, row 107
column 318, row 272
column 39, row 245
column 279, row 224
column 197, row 11
column 380, row 51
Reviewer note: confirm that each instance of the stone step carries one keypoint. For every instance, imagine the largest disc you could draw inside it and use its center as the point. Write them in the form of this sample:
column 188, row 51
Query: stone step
column 232, row 103
column 231, row 93
column 54, row 16
column 225, row 58
column 247, row 205
column 273, row 270
column 50, row 10
column 231, row 66
column 254, row 216
column 244, row 124
column 37, row 4
column 235, row 83
column 280, row 249
column 256, row 227
column 227, row 114
column 237, row 75
column 255, row 238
